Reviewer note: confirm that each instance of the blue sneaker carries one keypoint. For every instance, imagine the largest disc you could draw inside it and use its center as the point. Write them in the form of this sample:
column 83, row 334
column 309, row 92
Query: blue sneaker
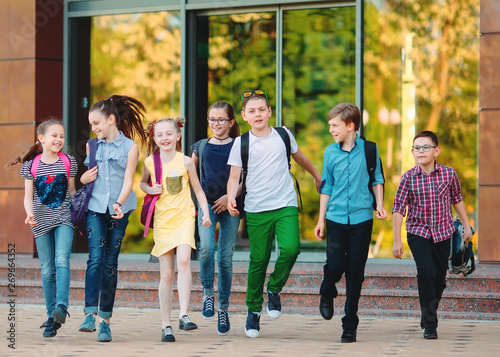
column 273, row 305
column 89, row 324
column 104, row 332
column 167, row 334
column 208, row 310
column 60, row 313
column 223, row 325
column 252, row 326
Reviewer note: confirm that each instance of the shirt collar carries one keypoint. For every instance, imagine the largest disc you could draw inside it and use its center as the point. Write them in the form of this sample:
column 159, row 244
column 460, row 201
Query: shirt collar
column 356, row 142
column 116, row 142
column 419, row 171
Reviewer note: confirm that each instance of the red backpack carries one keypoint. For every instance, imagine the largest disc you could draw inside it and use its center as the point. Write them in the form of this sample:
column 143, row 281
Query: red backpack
column 148, row 206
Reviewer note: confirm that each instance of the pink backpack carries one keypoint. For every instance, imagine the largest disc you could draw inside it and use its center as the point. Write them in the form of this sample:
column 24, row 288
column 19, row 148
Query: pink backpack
column 36, row 163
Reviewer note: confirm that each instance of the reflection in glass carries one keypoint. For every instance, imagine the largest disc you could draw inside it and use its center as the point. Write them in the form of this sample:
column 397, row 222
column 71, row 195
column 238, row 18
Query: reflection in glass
column 138, row 55
column 318, row 73
column 242, row 56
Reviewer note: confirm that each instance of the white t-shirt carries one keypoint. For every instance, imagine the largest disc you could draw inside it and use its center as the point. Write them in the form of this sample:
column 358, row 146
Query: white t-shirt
column 269, row 184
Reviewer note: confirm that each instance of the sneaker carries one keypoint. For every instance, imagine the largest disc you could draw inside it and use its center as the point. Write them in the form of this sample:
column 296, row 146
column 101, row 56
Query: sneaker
column 88, row 325
column 252, row 327
column 273, row 305
column 51, row 327
column 104, row 332
column 223, row 325
column 60, row 313
column 208, row 311
column 167, row 334
column 186, row 324
column 430, row 333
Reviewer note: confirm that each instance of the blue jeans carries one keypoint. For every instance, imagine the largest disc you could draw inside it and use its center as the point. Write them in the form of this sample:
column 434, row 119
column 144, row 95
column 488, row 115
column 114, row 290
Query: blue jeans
column 54, row 251
column 105, row 236
column 228, row 230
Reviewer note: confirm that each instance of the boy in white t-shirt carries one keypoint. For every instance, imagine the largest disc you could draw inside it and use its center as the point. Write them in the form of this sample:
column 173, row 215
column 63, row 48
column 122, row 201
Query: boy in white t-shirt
column 270, row 205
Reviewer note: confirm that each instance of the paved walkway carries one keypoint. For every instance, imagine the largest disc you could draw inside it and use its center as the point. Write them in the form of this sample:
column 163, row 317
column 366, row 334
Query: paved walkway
column 137, row 332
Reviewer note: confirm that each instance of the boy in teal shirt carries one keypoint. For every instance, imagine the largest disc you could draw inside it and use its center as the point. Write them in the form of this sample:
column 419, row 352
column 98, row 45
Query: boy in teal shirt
column 347, row 205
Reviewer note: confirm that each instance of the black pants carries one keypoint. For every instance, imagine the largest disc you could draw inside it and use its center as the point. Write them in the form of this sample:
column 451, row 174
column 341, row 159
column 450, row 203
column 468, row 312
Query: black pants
column 432, row 264
column 346, row 252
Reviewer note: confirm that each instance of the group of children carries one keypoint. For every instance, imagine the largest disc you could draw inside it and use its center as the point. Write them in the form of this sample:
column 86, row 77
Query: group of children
column 270, row 206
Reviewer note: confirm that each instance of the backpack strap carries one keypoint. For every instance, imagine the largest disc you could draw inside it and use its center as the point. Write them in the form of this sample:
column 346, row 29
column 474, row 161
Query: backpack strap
column 36, row 162
column 158, row 178
column 245, row 143
column 371, row 165
column 92, row 152
column 67, row 164
column 200, row 156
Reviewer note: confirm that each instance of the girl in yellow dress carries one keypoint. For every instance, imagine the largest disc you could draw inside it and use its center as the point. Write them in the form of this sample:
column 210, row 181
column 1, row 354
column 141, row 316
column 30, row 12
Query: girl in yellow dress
column 174, row 218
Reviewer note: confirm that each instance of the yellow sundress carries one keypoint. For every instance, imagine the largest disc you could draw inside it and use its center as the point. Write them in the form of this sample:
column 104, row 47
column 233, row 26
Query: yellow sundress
column 174, row 219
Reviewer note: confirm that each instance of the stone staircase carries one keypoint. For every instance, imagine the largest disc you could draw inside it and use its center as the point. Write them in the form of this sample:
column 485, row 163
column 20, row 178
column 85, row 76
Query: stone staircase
column 388, row 290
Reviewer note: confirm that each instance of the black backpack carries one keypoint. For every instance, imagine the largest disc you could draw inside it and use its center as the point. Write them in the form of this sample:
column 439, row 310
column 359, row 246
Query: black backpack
column 245, row 144
column 371, row 164
column 461, row 255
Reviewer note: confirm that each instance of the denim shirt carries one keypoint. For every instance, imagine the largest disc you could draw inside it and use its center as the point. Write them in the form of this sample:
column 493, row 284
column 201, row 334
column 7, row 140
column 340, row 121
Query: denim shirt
column 111, row 161
column 345, row 179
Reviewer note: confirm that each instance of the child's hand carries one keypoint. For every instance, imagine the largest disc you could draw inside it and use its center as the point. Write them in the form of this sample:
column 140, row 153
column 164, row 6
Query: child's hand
column 118, row 211
column 156, row 189
column 231, row 207
column 317, row 184
column 30, row 219
column 381, row 213
column 467, row 234
column 89, row 176
column 319, row 230
column 206, row 221
column 398, row 250
column 220, row 205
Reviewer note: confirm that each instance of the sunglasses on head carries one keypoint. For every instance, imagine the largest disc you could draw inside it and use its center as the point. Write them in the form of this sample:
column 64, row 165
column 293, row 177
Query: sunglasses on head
column 249, row 93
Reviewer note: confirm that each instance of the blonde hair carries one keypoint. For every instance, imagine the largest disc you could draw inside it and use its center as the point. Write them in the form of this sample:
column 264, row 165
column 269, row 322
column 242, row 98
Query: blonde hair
column 178, row 123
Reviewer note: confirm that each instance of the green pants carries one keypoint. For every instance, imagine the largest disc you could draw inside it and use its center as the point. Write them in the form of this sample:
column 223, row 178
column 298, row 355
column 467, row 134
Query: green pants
column 262, row 228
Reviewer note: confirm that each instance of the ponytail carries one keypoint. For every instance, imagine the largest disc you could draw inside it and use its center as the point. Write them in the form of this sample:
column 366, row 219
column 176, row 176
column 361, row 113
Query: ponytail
column 36, row 149
column 152, row 148
column 129, row 114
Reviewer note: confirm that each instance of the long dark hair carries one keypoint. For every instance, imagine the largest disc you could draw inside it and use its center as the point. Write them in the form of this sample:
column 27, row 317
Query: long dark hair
column 36, row 149
column 129, row 114
column 228, row 108
column 178, row 123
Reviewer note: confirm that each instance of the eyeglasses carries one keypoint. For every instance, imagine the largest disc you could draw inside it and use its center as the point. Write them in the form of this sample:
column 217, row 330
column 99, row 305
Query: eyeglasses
column 425, row 148
column 219, row 121
column 249, row 93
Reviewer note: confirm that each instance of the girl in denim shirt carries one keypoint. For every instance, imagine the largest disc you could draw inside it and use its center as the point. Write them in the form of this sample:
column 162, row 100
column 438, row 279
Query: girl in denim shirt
column 114, row 120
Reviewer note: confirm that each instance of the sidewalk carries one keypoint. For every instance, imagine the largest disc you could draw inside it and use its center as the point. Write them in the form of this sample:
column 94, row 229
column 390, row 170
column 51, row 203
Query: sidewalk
column 137, row 332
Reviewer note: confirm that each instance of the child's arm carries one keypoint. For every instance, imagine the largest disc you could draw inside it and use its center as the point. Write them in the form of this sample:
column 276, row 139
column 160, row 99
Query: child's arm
column 302, row 159
column 195, row 159
column 378, row 190
column 71, row 187
column 28, row 203
column 232, row 190
column 397, row 222
column 198, row 191
column 320, row 227
column 462, row 213
column 156, row 189
column 128, row 181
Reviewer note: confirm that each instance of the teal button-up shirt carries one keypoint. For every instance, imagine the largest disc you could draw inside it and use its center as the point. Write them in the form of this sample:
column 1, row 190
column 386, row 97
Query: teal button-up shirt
column 345, row 179
column 111, row 161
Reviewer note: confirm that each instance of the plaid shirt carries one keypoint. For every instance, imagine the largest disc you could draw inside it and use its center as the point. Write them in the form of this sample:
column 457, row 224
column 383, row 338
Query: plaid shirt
column 429, row 198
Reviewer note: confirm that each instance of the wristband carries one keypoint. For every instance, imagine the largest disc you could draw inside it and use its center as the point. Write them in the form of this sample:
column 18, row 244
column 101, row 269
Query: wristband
column 118, row 203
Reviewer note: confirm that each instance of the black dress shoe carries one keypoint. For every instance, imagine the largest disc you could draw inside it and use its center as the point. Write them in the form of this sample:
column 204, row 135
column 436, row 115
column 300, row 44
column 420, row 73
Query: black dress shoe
column 430, row 333
column 348, row 336
column 326, row 307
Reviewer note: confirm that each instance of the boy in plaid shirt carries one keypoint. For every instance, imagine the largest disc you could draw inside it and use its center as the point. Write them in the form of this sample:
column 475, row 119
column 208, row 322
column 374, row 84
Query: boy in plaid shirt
column 429, row 190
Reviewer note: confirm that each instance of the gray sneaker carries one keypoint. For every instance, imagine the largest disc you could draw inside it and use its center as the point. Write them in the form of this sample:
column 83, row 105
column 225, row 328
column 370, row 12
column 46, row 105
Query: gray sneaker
column 186, row 324
column 167, row 334
column 89, row 324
